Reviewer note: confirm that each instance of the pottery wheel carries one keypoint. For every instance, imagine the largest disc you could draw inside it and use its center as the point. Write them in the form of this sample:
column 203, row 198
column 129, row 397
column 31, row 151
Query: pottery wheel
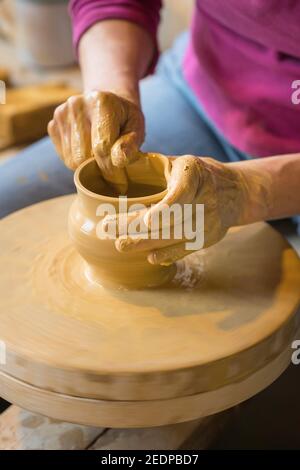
column 214, row 336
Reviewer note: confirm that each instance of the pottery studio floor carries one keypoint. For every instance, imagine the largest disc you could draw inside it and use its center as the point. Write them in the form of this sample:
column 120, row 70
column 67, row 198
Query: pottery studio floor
column 270, row 420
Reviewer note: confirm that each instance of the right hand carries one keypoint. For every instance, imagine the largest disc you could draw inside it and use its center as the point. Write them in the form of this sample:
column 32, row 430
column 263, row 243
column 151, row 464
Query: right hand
column 222, row 188
column 101, row 124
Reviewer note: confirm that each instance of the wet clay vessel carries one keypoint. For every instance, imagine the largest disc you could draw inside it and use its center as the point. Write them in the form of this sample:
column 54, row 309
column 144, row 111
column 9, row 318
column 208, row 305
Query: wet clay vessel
column 105, row 265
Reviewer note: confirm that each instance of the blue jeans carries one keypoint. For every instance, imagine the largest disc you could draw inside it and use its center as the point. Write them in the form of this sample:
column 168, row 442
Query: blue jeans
column 175, row 124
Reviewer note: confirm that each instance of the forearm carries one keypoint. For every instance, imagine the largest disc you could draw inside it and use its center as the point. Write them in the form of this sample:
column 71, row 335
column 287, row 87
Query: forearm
column 270, row 187
column 114, row 55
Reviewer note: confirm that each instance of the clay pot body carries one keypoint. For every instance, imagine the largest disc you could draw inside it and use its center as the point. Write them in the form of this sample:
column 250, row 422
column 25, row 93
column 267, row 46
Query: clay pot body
column 105, row 265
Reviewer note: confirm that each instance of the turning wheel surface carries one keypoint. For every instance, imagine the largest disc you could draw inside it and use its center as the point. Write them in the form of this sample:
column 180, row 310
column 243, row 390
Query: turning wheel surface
column 192, row 347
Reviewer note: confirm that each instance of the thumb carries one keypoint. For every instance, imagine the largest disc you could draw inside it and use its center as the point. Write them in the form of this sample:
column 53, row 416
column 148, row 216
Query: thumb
column 125, row 150
column 183, row 186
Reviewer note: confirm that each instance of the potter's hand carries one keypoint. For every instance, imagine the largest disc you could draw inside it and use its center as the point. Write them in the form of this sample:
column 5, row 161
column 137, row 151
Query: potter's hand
column 100, row 124
column 193, row 181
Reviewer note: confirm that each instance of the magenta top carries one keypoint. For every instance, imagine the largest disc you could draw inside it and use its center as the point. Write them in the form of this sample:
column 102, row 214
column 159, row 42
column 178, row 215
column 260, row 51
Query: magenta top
column 241, row 61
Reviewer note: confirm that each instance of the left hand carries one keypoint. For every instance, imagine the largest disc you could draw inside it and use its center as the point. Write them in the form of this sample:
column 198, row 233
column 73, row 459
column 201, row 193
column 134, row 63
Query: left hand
column 193, row 180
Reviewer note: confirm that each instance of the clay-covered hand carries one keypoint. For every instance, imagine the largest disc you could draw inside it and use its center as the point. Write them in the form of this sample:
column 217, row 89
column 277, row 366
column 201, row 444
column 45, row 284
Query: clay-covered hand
column 193, row 180
column 105, row 125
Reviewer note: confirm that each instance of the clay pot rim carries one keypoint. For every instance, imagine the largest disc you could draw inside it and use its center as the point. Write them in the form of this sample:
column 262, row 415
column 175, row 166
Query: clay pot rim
column 99, row 197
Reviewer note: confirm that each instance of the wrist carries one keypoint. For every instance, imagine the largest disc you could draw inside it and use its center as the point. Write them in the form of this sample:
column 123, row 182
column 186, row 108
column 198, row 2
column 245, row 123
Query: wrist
column 231, row 190
column 254, row 193
column 124, row 90
column 130, row 93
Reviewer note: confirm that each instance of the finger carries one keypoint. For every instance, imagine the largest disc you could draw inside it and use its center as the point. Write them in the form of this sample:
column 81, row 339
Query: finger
column 169, row 255
column 105, row 130
column 184, row 181
column 141, row 242
column 183, row 186
column 174, row 252
column 117, row 178
column 152, row 240
column 63, row 126
column 122, row 221
column 125, row 150
column 80, row 131
column 55, row 136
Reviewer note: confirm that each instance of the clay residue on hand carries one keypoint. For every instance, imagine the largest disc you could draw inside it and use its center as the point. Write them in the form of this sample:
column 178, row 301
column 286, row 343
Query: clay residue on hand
column 103, row 125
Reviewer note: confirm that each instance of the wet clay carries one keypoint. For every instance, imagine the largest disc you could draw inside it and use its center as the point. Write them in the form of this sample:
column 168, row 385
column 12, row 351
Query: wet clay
column 82, row 347
column 224, row 190
column 104, row 125
column 94, row 182
column 105, row 265
column 133, row 190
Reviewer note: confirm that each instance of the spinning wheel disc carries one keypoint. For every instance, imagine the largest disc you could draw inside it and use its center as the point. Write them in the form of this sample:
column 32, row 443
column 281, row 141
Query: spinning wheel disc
column 229, row 314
